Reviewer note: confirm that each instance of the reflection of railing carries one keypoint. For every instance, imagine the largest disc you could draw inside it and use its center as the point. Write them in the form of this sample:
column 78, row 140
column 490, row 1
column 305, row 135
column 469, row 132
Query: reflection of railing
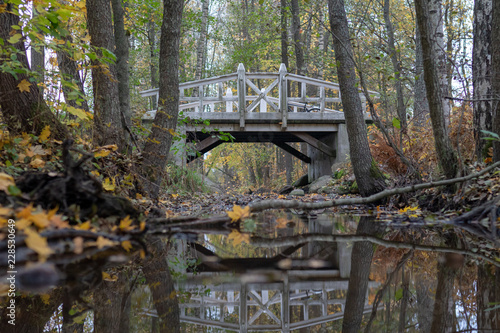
column 275, row 97
column 256, row 307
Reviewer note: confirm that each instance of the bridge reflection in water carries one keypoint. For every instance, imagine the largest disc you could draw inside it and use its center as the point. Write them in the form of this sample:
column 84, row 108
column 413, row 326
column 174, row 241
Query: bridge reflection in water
column 295, row 302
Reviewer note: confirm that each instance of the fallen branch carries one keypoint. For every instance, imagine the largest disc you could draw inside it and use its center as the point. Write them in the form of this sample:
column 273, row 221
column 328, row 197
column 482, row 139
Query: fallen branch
column 312, row 238
column 277, row 204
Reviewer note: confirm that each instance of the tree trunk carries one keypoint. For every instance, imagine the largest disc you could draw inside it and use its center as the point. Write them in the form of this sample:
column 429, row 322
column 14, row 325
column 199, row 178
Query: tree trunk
column 393, row 53
column 297, row 40
column 152, row 59
column 436, row 35
column 159, row 141
column 38, row 57
column 32, row 313
column 122, row 68
column 425, row 300
column 201, row 43
column 421, row 104
column 368, row 176
column 481, row 75
column 22, row 111
column 284, row 60
column 442, row 315
column 446, row 155
column 361, row 259
column 74, row 93
column 488, row 293
column 495, row 68
column 160, row 282
column 112, row 305
column 108, row 125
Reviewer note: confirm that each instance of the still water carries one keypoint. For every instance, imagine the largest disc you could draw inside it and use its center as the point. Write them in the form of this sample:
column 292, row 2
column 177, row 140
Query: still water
column 282, row 272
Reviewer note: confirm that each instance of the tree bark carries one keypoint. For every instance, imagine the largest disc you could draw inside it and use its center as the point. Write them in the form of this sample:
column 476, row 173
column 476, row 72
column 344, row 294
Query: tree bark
column 122, row 68
column 481, row 75
column 32, row 313
column 159, row 141
column 200, row 46
column 284, row 60
column 488, row 293
column 161, row 284
column 297, row 40
column 421, row 104
column 401, row 108
column 152, row 59
column 22, row 111
column 361, row 259
column 436, row 35
column 368, row 176
column 442, row 315
column 38, row 57
column 446, row 155
column 108, row 126
column 69, row 72
column 495, row 67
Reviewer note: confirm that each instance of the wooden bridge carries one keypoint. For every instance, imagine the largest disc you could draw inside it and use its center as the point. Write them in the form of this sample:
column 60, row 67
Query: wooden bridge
column 281, row 108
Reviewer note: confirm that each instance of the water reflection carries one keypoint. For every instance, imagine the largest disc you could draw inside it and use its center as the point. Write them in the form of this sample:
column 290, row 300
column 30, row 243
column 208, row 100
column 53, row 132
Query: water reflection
column 286, row 284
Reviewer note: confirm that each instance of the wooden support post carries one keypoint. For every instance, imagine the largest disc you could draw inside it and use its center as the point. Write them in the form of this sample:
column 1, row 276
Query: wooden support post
column 321, row 99
column 241, row 94
column 283, row 96
column 263, row 106
column 200, row 94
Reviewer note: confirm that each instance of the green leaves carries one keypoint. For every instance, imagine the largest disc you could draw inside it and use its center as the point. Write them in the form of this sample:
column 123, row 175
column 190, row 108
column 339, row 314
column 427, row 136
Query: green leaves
column 490, row 136
column 14, row 39
column 396, row 123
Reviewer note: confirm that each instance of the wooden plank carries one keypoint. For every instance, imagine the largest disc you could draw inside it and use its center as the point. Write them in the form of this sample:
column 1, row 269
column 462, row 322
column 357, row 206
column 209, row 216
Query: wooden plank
column 212, row 80
column 316, row 143
column 286, row 147
column 262, row 95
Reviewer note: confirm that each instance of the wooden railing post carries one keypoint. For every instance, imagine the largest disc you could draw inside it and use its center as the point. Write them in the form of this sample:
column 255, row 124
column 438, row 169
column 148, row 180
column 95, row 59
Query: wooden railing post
column 283, row 93
column 229, row 104
column 263, row 104
column 241, row 94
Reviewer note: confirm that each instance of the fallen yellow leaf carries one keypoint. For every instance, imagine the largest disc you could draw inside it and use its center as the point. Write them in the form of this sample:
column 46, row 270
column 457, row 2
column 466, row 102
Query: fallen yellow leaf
column 45, row 134
column 37, row 243
column 102, row 242
column 237, row 237
column 24, row 85
column 125, row 224
column 282, row 223
column 6, row 181
column 107, row 277
column 238, row 213
column 108, row 185
column 102, row 153
column 127, row 245
column 84, row 226
column 37, row 163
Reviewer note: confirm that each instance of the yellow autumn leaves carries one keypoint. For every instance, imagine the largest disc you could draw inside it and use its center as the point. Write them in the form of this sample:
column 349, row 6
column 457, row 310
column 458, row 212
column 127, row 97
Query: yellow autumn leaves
column 237, row 214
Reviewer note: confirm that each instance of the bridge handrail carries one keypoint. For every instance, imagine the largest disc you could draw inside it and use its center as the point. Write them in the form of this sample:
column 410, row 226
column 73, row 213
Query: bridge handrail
column 261, row 95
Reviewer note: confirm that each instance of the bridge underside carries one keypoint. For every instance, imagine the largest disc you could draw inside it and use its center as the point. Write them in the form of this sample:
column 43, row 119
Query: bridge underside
column 208, row 141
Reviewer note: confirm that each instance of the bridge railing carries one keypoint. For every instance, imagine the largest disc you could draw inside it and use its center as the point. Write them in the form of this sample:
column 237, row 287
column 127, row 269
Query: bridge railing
column 216, row 94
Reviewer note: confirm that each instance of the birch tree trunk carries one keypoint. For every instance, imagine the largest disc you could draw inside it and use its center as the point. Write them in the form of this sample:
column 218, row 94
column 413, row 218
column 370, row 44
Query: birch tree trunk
column 481, row 74
column 446, row 155
column 368, row 177
column 436, row 34
column 159, row 141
